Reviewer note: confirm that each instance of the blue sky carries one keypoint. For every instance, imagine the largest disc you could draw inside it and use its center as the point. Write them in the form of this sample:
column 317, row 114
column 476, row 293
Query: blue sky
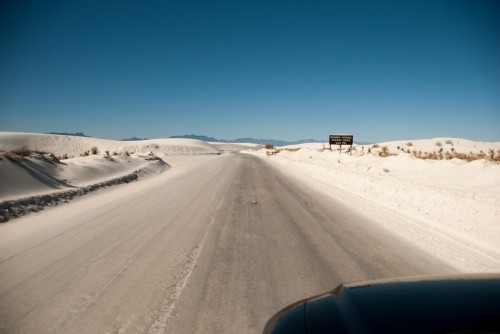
column 381, row 70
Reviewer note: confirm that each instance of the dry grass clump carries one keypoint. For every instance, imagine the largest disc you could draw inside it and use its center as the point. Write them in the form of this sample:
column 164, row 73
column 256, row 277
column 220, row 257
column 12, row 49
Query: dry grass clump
column 431, row 156
column 456, row 155
column 384, row 152
column 449, row 142
column 23, row 152
column 438, row 143
column 409, row 144
column 94, row 150
column 491, row 154
column 375, row 145
column 350, row 149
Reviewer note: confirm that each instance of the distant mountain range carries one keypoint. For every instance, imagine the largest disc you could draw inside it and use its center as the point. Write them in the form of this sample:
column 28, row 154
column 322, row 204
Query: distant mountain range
column 77, row 134
column 133, row 139
column 81, row 134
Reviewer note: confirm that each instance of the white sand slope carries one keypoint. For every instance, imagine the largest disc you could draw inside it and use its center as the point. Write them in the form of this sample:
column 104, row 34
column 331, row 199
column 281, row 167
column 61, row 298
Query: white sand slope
column 449, row 207
column 29, row 164
column 75, row 146
column 42, row 173
column 437, row 199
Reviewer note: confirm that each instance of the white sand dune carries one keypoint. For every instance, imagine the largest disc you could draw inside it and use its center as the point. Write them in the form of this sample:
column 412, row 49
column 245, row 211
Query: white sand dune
column 436, row 199
column 41, row 172
column 37, row 174
column 74, row 146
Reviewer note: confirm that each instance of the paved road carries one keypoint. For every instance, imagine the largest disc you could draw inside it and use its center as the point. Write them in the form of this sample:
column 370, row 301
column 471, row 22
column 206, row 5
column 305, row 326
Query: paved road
column 218, row 248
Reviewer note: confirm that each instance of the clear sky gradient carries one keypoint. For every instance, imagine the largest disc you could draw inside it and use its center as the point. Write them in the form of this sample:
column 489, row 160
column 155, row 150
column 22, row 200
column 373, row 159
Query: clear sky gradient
column 381, row 70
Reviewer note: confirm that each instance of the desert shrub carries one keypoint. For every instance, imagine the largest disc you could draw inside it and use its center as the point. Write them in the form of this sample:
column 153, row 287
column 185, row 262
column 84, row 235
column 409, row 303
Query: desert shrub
column 384, row 152
column 115, row 153
column 472, row 157
column 85, row 154
column 375, row 145
column 369, row 150
column 107, row 154
column 438, row 143
column 63, row 157
column 386, row 170
column 430, row 156
column 126, row 153
column 23, row 152
column 269, row 146
column 94, row 150
column 409, row 144
column 448, row 142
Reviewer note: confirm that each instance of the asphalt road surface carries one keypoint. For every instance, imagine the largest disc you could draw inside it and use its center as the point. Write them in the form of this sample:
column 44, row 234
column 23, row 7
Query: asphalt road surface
column 217, row 248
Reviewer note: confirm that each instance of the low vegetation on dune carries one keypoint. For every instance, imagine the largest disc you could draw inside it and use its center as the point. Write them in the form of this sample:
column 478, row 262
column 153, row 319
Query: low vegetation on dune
column 440, row 153
column 22, row 152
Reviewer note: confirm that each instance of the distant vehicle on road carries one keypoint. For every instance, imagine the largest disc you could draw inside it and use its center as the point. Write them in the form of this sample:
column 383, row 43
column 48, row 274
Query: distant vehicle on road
column 459, row 304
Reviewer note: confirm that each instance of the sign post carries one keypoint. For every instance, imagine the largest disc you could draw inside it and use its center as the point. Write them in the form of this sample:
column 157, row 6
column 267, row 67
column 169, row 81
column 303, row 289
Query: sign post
column 340, row 140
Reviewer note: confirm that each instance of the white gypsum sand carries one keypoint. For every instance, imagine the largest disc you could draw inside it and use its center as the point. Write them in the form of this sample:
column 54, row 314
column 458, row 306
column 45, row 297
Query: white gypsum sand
column 443, row 204
column 74, row 146
column 29, row 164
column 450, row 208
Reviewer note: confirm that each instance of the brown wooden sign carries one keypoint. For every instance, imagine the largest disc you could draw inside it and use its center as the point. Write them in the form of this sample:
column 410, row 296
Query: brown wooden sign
column 341, row 139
